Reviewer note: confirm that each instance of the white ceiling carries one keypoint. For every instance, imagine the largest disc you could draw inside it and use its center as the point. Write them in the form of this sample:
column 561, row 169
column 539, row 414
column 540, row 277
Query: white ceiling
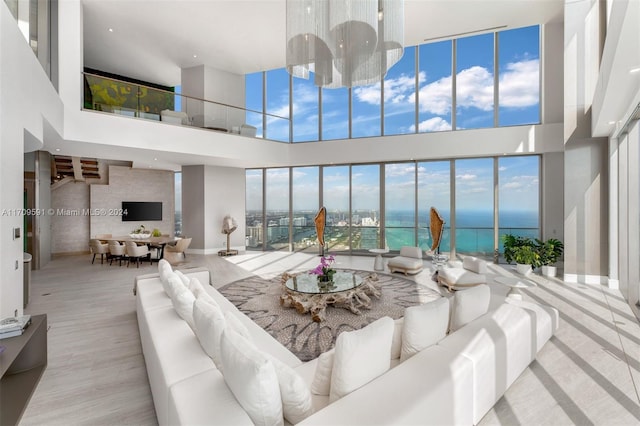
column 153, row 39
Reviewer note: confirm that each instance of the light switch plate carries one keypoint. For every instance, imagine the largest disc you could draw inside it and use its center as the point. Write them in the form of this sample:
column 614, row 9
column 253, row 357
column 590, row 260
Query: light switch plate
column 16, row 233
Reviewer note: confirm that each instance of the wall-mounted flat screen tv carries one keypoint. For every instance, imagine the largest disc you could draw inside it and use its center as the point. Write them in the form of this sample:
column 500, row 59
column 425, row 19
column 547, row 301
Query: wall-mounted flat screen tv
column 141, row 210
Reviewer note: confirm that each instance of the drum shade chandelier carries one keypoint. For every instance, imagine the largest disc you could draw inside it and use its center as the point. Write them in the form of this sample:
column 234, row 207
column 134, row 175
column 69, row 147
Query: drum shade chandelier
column 345, row 43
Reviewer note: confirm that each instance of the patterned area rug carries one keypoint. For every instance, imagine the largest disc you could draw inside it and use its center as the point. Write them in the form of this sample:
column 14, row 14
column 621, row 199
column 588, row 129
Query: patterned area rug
column 260, row 300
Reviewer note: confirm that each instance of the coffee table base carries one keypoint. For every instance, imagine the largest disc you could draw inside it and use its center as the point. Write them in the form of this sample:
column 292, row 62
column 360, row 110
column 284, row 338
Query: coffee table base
column 316, row 304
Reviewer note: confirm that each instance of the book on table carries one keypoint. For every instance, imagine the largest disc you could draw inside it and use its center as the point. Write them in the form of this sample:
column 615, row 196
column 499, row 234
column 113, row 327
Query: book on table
column 13, row 326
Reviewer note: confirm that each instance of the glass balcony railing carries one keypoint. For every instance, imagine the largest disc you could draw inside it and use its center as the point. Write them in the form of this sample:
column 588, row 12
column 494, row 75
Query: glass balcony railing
column 139, row 101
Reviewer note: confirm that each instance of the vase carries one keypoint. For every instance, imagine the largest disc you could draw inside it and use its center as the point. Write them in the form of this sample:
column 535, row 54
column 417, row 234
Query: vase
column 523, row 269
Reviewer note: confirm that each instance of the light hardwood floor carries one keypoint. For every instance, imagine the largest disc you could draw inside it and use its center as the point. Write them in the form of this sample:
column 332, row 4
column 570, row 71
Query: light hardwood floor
column 587, row 374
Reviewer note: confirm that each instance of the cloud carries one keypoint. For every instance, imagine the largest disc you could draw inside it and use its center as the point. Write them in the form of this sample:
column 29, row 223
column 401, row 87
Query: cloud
column 399, row 170
column 502, row 168
column 434, row 124
column 368, row 94
column 512, row 185
column 520, row 84
column 466, row 176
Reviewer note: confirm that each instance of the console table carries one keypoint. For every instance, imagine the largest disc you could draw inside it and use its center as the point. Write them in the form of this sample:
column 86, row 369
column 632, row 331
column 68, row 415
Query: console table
column 22, row 363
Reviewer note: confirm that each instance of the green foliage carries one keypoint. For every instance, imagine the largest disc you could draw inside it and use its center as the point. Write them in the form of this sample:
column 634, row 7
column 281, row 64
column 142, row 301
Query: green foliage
column 527, row 251
column 550, row 250
column 527, row 255
column 512, row 243
column 156, row 233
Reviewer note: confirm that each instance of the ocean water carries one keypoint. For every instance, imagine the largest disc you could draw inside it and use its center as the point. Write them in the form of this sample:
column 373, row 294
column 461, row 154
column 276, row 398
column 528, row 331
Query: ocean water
column 474, row 229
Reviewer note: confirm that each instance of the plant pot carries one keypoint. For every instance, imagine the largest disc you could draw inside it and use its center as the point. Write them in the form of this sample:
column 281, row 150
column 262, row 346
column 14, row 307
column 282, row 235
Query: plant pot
column 523, row 269
column 549, row 271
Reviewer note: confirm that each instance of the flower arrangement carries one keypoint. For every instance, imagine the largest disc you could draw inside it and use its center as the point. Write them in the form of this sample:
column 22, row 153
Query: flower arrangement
column 324, row 271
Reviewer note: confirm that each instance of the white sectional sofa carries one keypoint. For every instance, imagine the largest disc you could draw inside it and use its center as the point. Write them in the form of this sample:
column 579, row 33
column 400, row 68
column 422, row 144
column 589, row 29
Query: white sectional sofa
column 455, row 381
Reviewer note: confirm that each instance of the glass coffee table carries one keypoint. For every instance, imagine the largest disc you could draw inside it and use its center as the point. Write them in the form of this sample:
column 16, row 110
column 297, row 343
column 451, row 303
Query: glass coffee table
column 348, row 290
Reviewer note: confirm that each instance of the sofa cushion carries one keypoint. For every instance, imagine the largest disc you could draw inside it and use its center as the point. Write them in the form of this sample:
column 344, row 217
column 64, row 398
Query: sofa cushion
column 468, row 305
column 252, row 378
column 499, row 345
column 461, row 277
column 182, row 299
column 361, row 356
column 408, row 251
column 185, row 280
column 294, row 391
column 164, row 269
column 209, row 323
column 204, row 399
column 321, row 384
column 424, row 325
column 396, row 342
column 474, row 264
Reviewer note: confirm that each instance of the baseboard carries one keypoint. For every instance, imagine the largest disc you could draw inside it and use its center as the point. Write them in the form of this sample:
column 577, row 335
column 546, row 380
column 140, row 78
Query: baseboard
column 69, row 253
column 212, row 250
column 586, row 279
column 613, row 284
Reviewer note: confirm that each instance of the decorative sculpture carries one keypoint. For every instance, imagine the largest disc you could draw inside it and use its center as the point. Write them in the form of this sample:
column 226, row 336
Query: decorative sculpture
column 229, row 225
column 320, row 221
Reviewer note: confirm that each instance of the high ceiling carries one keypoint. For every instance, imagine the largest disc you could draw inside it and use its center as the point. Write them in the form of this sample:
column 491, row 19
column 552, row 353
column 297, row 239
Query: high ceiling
column 152, row 40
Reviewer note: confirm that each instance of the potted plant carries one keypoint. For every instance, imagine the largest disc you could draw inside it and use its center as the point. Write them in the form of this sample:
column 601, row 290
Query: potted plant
column 549, row 251
column 526, row 258
column 523, row 251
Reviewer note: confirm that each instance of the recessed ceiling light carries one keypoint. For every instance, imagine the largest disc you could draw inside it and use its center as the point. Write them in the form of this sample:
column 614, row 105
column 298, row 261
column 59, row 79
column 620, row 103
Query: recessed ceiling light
column 57, row 149
column 110, row 30
column 195, row 56
column 612, row 122
column 634, row 70
column 155, row 159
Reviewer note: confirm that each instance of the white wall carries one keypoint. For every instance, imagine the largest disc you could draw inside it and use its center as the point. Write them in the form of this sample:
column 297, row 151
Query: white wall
column 209, row 194
column 26, row 99
column 128, row 184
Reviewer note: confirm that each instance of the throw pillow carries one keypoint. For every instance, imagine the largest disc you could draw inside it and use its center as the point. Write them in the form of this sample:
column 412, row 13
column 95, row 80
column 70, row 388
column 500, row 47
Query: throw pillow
column 321, row 384
column 252, row 378
column 236, row 325
column 183, row 278
column 468, row 305
column 295, row 394
column 198, row 290
column 474, row 264
column 361, row 356
column 164, row 269
column 181, row 299
column 396, row 343
column 209, row 324
column 424, row 325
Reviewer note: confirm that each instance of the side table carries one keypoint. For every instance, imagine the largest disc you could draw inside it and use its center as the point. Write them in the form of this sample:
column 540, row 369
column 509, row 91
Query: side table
column 378, row 264
column 515, row 283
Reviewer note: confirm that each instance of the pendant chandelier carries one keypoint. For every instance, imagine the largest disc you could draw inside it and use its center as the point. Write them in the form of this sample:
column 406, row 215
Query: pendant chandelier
column 345, row 43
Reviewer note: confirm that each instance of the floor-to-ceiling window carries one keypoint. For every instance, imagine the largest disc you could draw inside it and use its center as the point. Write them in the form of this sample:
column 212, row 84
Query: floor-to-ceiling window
column 474, row 82
column 400, row 95
column 434, row 190
column 519, row 76
column 304, row 205
column 474, row 206
column 387, row 204
column 277, row 208
column 304, row 109
column 254, row 101
column 479, row 81
column 519, row 196
column 435, row 95
column 365, row 207
column 277, row 101
column 400, row 205
column 335, row 198
column 254, row 216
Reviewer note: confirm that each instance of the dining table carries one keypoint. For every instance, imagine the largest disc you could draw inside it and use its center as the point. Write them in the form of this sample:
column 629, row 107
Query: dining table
column 159, row 242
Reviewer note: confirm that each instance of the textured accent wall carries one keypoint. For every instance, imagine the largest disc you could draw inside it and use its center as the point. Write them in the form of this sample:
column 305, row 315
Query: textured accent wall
column 128, row 184
column 70, row 233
